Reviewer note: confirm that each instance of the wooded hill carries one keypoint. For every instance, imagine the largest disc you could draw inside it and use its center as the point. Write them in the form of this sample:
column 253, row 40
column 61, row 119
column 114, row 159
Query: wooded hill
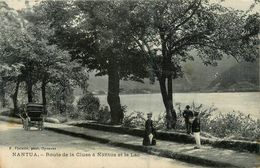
column 227, row 76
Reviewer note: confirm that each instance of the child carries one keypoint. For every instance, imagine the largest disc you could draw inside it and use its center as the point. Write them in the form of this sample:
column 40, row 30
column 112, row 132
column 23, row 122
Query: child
column 149, row 135
column 196, row 130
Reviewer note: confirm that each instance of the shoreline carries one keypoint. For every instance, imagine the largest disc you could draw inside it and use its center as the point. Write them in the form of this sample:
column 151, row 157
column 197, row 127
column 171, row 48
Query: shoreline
column 154, row 93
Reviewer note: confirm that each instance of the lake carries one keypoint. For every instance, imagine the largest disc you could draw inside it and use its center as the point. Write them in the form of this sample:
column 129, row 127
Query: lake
column 246, row 102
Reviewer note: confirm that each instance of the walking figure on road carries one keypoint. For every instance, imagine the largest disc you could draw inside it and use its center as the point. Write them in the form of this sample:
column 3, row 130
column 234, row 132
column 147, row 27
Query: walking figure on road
column 188, row 115
column 149, row 134
column 196, row 129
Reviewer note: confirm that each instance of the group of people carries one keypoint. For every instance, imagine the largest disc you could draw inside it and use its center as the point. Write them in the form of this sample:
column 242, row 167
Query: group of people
column 192, row 123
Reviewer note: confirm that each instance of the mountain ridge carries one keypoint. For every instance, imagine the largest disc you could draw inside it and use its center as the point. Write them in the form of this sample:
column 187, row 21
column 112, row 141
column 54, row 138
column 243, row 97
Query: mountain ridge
column 197, row 78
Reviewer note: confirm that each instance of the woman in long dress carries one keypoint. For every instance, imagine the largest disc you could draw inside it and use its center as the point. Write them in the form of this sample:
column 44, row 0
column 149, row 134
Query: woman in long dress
column 149, row 133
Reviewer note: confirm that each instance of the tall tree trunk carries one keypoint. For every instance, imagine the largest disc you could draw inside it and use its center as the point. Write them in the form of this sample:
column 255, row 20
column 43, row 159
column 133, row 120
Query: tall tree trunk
column 167, row 101
column 162, row 82
column 166, row 88
column 113, row 98
column 29, row 91
column 14, row 98
column 169, row 83
column 3, row 93
column 170, row 103
column 44, row 101
column 29, row 81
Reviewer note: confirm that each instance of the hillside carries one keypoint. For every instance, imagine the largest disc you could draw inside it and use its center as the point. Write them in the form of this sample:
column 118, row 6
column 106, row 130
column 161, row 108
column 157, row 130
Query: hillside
column 196, row 77
column 241, row 77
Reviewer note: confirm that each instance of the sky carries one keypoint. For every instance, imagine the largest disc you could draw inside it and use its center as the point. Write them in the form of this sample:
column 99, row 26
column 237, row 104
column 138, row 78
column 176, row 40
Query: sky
column 237, row 4
column 19, row 4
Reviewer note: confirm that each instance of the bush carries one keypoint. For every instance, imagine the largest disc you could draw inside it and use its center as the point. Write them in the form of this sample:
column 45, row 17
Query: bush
column 8, row 113
column 88, row 107
column 180, row 124
column 160, row 122
column 104, row 115
column 232, row 125
column 60, row 99
column 134, row 119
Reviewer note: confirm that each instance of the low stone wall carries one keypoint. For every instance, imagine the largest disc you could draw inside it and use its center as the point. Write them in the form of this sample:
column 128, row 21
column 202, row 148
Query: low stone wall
column 238, row 145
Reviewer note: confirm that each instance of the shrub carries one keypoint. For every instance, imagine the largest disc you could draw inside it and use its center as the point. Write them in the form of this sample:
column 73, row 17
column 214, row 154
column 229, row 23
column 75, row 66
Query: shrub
column 134, row 119
column 7, row 113
column 180, row 124
column 104, row 115
column 205, row 114
column 74, row 114
column 60, row 99
column 88, row 107
column 232, row 125
column 160, row 121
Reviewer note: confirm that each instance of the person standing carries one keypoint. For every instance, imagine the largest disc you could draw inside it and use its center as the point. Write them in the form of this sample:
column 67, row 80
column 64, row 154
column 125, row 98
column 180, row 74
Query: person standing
column 149, row 134
column 196, row 130
column 188, row 114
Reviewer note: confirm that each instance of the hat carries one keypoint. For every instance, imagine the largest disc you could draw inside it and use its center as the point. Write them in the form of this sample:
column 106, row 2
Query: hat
column 150, row 114
column 187, row 106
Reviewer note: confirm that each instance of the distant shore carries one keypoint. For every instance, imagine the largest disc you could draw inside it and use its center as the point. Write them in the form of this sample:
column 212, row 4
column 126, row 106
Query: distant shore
column 185, row 92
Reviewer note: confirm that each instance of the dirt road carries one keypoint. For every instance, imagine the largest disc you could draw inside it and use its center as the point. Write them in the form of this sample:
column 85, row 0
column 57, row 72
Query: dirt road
column 40, row 149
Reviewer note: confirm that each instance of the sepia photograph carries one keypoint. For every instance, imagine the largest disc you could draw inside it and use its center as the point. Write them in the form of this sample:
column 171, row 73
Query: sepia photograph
column 129, row 83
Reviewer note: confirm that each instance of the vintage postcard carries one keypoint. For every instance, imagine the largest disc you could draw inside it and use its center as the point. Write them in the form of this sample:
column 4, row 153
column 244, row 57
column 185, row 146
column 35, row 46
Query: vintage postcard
column 129, row 83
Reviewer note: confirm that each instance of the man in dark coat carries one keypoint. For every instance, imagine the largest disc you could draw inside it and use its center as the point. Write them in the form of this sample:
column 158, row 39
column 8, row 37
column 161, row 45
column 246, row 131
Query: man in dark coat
column 149, row 133
column 187, row 114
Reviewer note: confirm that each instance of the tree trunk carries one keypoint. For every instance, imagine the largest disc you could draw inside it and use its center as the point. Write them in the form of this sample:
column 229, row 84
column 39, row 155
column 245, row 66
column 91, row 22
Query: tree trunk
column 29, row 91
column 162, row 82
column 44, row 101
column 170, row 103
column 166, row 89
column 3, row 93
column 113, row 98
column 167, row 101
column 14, row 98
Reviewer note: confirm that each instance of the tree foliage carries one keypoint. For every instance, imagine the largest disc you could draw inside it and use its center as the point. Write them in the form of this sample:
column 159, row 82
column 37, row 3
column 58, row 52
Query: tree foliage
column 28, row 56
column 167, row 31
column 92, row 33
column 124, row 40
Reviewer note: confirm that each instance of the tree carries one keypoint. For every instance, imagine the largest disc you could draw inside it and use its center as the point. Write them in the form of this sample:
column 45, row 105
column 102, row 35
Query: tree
column 157, row 34
column 166, row 31
column 53, row 65
column 27, row 56
column 91, row 33
column 12, row 33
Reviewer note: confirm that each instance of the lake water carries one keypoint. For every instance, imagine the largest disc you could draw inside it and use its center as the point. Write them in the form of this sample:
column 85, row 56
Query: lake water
column 246, row 102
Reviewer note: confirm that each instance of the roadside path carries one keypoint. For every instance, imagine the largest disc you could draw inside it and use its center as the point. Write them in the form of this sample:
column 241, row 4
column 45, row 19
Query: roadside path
column 206, row 156
column 14, row 141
